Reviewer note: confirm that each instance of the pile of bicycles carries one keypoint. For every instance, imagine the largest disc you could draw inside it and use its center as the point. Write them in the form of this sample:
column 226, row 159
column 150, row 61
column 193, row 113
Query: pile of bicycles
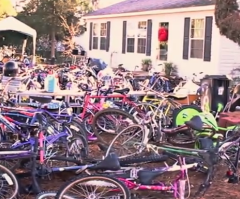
column 47, row 137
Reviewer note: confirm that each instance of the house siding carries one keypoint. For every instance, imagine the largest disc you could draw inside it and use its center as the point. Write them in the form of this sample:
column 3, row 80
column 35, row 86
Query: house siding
column 229, row 55
column 175, row 43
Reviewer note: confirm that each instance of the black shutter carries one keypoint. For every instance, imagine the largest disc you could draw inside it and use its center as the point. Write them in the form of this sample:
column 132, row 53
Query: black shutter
column 208, row 39
column 108, row 36
column 186, row 38
column 149, row 38
column 90, row 36
column 124, row 37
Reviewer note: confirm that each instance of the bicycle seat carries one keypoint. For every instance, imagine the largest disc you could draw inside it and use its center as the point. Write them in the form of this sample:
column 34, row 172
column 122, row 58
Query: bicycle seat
column 28, row 126
column 41, row 99
column 176, row 97
column 123, row 91
column 111, row 162
column 195, row 123
column 146, row 176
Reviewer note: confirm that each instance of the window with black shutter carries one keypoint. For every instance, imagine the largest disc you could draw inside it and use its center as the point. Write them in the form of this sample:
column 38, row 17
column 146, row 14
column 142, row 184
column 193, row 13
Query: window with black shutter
column 142, row 37
column 198, row 38
column 136, row 40
column 100, row 36
column 103, row 36
column 95, row 36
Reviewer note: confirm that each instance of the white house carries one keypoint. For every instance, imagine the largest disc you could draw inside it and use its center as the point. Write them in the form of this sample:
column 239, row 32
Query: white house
column 128, row 32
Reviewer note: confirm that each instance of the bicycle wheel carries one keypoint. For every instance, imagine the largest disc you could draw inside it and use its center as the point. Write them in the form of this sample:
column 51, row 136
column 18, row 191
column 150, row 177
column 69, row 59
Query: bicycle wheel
column 47, row 195
column 128, row 142
column 110, row 121
column 94, row 186
column 8, row 184
column 50, row 195
column 77, row 128
column 78, row 147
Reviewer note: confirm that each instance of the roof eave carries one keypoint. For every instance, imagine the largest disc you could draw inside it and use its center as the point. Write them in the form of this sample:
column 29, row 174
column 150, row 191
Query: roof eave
column 153, row 12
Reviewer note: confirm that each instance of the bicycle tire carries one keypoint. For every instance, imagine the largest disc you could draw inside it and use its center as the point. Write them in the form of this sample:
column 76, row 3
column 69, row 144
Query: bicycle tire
column 78, row 179
column 142, row 160
column 120, row 133
column 46, row 194
column 11, row 180
column 109, row 110
column 77, row 127
column 84, row 150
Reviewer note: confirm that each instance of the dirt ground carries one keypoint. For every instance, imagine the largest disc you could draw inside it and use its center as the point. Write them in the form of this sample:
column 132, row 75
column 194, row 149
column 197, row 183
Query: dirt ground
column 220, row 189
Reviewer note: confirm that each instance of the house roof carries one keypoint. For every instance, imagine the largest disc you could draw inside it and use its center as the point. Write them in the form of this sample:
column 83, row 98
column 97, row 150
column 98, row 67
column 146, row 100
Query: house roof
column 130, row 6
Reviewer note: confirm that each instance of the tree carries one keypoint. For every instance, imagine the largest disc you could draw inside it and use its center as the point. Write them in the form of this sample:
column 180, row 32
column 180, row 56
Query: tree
column 6, row 9
column 56, row 19
column 228, row 19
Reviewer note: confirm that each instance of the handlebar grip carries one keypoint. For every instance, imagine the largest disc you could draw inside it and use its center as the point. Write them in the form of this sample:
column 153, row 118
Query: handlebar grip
column 170, row 154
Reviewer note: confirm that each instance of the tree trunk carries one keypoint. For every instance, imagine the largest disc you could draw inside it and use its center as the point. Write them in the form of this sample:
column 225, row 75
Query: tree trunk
column 24, row 46
column 53, row 42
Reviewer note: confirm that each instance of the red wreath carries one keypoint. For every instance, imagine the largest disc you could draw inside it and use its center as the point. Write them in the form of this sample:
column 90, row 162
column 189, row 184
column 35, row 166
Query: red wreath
column 162, row 34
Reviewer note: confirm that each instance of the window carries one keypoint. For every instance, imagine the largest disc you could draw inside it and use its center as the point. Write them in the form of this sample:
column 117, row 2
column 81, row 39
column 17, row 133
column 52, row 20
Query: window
column 163, row 45
column 197, row 38
column 130, row 37
column 141, row 48
column 99, row 36
column 95, row 36
column 130, row 45
column 136, row 37
column 142, row 37
column 103, row 36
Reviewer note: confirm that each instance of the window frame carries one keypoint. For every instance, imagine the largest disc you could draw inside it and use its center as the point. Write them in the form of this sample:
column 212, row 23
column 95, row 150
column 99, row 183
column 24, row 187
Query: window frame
column 193, row 38
column 130, row 36
column 103, row 35
column 99, row 35
column 136, row 37
column 95, row 36
column 141, row 49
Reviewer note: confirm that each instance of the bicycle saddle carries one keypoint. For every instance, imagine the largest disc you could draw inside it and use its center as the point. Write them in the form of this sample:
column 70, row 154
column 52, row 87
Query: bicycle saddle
column 123, row 91
column 195, row 123
column 111, row 162
column 147, row 176
column 41, row 99
column 27, row 126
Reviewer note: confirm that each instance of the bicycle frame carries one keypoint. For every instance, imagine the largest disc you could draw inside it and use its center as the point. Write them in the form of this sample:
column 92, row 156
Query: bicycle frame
column 48, row 139
column 172, row 187
column 97, row 107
